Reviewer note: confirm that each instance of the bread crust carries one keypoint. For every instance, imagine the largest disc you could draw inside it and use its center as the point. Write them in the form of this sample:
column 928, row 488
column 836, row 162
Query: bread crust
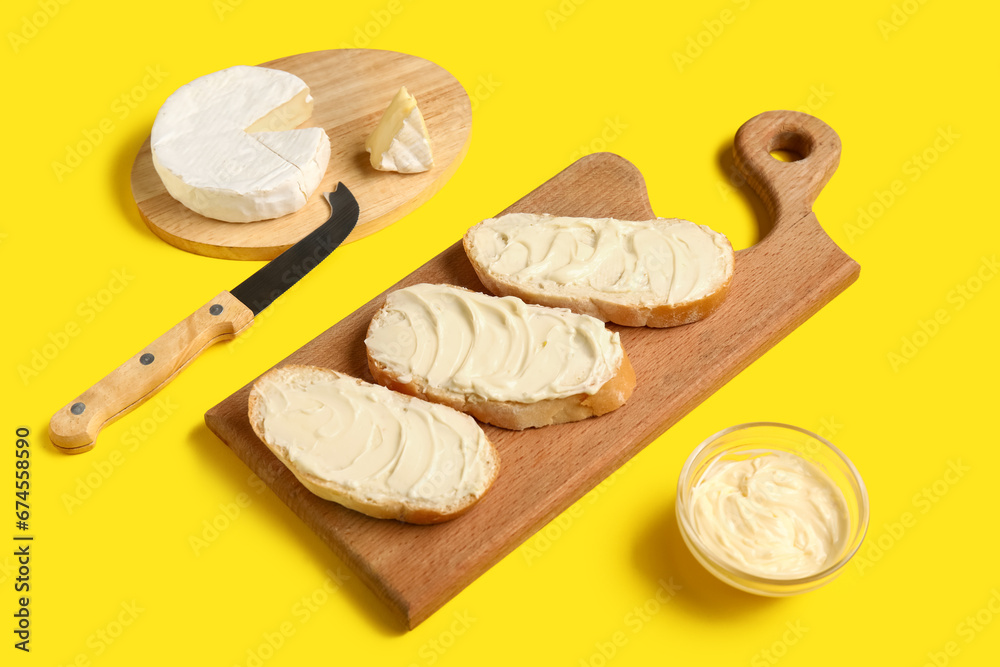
column 398, row 509
column 606, row 306
column 513, row 415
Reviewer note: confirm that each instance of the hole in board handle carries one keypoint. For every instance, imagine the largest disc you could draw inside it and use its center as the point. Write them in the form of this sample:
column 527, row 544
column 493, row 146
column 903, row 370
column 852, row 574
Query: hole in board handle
column 790, row 146
column 785, row 156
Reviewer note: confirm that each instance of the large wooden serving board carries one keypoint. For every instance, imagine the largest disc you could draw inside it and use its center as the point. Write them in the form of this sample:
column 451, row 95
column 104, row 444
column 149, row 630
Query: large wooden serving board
column 778, row 284
column 351, row 88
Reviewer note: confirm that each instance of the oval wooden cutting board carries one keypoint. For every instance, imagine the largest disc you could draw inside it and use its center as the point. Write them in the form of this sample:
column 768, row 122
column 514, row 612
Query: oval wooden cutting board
column 352, row 87
column 778, row 284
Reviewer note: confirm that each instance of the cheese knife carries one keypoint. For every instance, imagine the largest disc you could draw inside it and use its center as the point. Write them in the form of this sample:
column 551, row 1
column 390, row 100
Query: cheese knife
column 74, row 428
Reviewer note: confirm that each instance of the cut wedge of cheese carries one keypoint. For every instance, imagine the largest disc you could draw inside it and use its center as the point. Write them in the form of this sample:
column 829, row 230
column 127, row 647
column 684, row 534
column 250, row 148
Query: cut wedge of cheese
column 381, row 453
column 308, row 149
column 400, row 141
column 503, row 361
column 225, row 146
column 656, row 273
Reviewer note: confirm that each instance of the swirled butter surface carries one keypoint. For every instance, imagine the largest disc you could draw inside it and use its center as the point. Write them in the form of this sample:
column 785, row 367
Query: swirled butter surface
column 499, row 348
column 381, row 444
column 771, row 515
column 651, row 261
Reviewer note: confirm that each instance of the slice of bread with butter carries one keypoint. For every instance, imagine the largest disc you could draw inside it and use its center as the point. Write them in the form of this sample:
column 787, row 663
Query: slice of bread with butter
column 373, row 450
column 505, row 362
column 655, row 273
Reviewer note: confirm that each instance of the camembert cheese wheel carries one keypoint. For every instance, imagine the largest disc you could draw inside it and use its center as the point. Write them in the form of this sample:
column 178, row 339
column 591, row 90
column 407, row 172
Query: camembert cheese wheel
column 225, row 144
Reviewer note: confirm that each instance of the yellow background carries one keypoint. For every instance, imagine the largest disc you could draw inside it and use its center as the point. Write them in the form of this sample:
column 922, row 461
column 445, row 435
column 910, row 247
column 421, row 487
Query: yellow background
column 550, row 81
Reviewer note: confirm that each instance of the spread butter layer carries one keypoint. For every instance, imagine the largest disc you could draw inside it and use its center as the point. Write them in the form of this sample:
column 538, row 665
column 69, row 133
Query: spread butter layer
column 773, row 514
column 374, row 441
column 652, row 261
column 497, row 348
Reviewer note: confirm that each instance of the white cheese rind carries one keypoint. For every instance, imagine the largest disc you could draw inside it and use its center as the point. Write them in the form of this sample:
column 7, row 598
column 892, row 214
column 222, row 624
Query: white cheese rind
column 308, row 149
column 216, row 147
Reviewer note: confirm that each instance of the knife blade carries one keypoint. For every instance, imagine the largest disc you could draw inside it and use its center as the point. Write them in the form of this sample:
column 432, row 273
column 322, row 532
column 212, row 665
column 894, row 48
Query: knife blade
column 74, row 428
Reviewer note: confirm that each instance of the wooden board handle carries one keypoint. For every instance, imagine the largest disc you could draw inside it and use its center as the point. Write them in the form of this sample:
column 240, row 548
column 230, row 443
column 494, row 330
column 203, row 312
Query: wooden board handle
column 788, row 189
column 75, row 427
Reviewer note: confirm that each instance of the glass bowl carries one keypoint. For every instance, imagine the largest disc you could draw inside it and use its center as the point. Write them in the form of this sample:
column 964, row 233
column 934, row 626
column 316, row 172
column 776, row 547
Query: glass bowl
column 737, row 442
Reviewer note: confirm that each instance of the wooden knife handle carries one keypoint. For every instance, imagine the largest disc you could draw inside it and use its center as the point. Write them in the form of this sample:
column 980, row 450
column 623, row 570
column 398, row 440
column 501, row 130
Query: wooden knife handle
column 788, row 189
column 75, row 427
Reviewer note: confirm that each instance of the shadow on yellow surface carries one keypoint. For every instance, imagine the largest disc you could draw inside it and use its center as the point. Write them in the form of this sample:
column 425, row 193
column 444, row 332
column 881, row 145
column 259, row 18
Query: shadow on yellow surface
column 121, row 179
column 291, row 535
column 660, row 554
column 734, row 183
